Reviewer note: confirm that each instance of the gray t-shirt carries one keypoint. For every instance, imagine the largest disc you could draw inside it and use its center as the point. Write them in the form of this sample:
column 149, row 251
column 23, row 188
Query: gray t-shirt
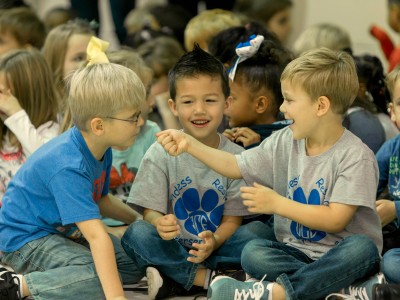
column 347, row 173
column 184, row 186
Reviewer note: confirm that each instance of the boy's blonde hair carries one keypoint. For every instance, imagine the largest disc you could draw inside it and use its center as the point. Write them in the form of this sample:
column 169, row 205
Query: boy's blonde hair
column 325, row 72
column 56, row 46
column 23, row 24
column 30, row 81
column 207, row 24
column 322, row 35
column 391, row 80
column 103, row 90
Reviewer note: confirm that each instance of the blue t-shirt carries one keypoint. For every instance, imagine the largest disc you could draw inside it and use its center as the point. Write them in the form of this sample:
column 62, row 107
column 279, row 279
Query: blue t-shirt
column 59, row 185
column 388, row 158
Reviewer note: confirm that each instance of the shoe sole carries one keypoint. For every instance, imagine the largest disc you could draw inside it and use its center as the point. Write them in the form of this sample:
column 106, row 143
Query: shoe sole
column 154, row 282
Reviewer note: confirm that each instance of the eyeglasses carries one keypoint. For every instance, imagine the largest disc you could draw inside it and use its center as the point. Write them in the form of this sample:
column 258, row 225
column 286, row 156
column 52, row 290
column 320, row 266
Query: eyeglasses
column 132, row 120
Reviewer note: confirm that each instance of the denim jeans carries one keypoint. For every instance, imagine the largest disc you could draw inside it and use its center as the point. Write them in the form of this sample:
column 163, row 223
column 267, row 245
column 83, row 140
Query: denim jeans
column 391, row 264
column 58, row 268
column 143, row 243
column 352, row 258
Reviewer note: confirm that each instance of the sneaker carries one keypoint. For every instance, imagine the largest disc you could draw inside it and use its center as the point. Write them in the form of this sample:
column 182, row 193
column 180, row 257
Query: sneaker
column 386, row 291
column 9, row 285
column 161, row 287
column 224, row 287
column 360, row 290
column 232, row 273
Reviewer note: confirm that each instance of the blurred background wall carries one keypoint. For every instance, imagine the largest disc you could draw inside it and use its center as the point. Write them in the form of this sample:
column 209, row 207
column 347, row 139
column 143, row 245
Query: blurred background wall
column 356, row 16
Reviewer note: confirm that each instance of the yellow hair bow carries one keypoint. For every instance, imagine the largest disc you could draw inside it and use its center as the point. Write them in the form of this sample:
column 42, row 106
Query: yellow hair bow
column 96, row 51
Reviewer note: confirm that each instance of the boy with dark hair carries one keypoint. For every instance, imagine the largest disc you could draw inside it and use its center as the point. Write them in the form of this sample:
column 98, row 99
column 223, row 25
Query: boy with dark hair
column 192, row 215
column 319, row 181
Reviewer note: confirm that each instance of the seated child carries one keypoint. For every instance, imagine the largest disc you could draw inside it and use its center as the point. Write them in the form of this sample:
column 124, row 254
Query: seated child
column 161, row 54
column 51, row 232
column 126, row 162
column 192, row 215
column 20, row 27
column 65, row 51
column 28, row 109
column 253, row 107
column 318, row 180
column 389, row 177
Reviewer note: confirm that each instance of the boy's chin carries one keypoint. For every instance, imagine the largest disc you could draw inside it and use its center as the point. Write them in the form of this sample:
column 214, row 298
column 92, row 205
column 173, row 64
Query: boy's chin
column 122, row 148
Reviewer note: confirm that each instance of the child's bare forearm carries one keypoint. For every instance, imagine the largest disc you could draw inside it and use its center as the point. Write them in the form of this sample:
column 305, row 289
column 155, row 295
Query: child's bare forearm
column 151, row 216
column 103, row 254
column 228, row 226
column 332, row 218
column 112, row 207
column 220, row 161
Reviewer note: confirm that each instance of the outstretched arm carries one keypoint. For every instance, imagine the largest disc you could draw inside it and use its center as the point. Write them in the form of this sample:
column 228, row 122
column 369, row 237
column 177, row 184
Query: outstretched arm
column 176, row 142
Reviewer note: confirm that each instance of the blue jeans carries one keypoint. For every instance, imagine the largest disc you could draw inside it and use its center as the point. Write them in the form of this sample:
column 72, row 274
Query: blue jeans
column 352, row 258
column 390, row 265
column 58, row 268
column 143, row 243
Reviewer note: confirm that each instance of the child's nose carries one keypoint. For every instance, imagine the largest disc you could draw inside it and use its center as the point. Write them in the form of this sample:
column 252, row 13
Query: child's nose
column 199, row 107
column 282, row 108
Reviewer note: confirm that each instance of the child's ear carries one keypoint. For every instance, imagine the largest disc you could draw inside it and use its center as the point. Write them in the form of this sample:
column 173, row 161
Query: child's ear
column 324, row 105
column 97, row 126
column 262, row 104
column 391, row 112
column 172, row 107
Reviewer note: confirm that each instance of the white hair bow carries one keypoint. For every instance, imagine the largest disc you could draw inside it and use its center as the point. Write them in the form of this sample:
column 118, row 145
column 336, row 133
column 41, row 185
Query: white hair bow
column 246, row 50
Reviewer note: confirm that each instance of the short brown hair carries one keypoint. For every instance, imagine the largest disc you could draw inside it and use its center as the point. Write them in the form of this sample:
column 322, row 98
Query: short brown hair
column 24, row 24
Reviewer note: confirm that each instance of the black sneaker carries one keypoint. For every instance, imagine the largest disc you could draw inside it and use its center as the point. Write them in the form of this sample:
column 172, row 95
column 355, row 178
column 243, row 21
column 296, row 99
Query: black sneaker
column 237, row 274
column 386, row 291
column 9, row 286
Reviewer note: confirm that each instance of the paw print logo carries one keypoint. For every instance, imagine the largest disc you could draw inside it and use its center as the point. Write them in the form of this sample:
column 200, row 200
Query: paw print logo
column 302, row 232
column 199, row 215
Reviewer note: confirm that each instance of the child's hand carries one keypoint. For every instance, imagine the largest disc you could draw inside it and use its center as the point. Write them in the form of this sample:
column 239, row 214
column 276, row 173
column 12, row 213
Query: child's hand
column 246, row 136
column 203, row 250
column 9, row 105
column 230, row 134
column 386, row 211
column 167, row 227
column 174, row 141
column 259, row 198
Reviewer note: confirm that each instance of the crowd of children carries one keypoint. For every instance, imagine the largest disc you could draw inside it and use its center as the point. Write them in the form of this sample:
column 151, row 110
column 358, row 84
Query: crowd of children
column 216, row 162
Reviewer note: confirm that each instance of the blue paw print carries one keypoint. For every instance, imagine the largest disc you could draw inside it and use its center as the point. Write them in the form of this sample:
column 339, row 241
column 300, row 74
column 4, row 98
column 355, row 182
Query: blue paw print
column 199, row 215
column 302, row 232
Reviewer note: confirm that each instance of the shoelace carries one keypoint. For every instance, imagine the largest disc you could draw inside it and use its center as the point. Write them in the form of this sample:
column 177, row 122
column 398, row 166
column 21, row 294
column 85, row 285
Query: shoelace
column 256, row 293
column 356, row 294
column 18, row 282
column 342, row 296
